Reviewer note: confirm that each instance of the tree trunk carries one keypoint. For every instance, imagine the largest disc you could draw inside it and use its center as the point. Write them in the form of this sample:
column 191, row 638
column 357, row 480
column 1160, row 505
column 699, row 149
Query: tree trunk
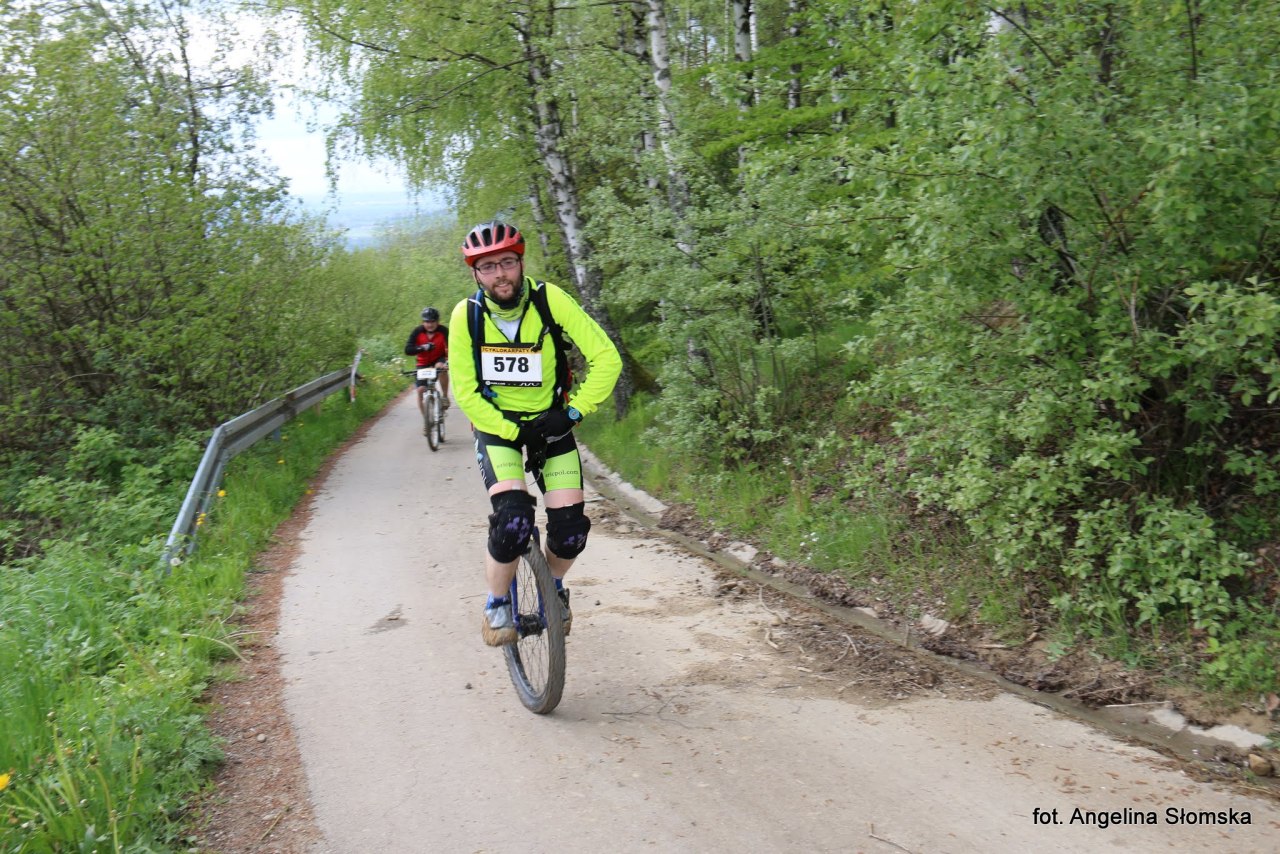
column 633, row 40
column 539, row 218
column 660, row 65
column 743, row 45
column 565, row 202
column 794, row 83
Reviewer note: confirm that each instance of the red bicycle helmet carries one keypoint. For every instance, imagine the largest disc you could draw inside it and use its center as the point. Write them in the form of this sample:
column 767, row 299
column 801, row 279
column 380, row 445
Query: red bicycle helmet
column 490, row 237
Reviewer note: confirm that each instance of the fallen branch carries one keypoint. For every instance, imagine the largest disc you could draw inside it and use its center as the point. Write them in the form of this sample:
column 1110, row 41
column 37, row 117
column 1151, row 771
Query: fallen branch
column 852, row 646
column 760, row 594
column 279, row 815
column 1075, row 694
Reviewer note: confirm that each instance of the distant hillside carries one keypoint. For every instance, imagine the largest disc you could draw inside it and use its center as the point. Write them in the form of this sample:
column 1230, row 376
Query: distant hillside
column 361, row 215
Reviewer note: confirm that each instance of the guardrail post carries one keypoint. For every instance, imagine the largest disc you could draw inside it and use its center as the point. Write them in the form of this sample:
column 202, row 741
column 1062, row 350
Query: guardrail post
column 355, row 374
column 232, row 437
column 182, row 535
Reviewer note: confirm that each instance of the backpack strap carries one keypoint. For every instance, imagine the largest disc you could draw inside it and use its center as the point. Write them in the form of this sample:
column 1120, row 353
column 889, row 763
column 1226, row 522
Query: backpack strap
column 476, row 310
column 564, row 373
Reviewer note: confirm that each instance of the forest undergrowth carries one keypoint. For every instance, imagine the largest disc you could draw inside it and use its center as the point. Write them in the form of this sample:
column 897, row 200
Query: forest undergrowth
column 845, row 530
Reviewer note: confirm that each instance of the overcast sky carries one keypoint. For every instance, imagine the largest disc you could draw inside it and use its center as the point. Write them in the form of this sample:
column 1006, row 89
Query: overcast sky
column 367, row 193
column 299, row 155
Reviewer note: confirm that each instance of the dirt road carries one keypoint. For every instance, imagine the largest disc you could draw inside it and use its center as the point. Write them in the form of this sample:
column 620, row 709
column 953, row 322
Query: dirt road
column 697, row 715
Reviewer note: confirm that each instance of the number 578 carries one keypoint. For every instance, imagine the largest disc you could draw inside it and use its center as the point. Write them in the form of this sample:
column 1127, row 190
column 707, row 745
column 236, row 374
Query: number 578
column 511, row 364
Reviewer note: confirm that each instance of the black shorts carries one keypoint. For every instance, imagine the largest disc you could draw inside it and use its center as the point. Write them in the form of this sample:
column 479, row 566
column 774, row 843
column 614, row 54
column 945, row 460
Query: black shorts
column 503, row 459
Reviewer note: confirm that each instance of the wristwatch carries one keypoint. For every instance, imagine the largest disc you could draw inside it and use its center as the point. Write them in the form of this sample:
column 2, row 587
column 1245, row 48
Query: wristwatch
column 574, row 415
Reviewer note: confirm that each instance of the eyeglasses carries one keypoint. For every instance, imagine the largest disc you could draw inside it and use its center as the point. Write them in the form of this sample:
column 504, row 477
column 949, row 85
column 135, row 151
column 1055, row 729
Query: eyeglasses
column 487, row 267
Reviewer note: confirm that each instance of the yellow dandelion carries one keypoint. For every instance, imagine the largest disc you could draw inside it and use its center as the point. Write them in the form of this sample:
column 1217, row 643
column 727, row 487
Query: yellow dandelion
column 4, row 780
column 280, row 461
column 222, row 493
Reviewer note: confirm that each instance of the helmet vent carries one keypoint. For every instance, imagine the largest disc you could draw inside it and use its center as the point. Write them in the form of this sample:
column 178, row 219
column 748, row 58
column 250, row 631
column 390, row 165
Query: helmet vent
column 490, row 237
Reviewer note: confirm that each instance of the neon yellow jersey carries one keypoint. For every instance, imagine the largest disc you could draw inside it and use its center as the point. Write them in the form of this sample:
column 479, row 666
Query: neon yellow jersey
column 535, row 393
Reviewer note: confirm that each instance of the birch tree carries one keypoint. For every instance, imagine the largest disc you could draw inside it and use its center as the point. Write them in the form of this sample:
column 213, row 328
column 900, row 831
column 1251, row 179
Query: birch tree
column 742, row 14
column 469, row 88
column 660, row 67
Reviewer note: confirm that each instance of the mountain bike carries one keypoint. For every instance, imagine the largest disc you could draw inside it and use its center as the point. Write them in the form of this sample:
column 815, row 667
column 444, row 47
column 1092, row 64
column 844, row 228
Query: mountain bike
column 432, row 405
column 536, row 659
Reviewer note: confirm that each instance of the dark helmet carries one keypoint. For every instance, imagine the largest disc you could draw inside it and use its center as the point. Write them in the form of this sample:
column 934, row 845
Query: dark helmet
column 430, row 314
column 490, row 237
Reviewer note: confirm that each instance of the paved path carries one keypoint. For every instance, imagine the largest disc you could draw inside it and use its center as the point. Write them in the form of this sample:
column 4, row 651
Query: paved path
column 681, row 727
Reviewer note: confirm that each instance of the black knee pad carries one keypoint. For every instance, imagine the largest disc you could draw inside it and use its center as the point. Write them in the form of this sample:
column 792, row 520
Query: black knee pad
column 510, row 524
column 567, row 529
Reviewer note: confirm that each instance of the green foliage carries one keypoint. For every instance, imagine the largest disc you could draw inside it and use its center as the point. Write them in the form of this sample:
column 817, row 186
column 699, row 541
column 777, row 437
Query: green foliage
column 1051, row 235
column 155, row 283
column 104, row 658
column 412, row 266
column 1155, row 556
column 735, row 330
column 626, row 444
column 154, row 276
column 1090, row 431
column 1245, row 657
column 804, row 508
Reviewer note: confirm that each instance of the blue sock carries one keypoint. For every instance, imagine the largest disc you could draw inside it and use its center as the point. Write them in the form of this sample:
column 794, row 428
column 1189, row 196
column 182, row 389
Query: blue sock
column 559, row 583
column 494, row 601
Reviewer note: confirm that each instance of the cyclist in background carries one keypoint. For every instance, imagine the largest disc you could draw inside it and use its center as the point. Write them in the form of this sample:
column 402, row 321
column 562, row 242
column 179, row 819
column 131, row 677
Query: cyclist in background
column 429, row 341
column 516, row 392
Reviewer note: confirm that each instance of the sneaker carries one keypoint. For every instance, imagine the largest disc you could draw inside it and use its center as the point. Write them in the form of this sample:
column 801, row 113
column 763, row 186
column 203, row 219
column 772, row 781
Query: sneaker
column 564, row 610
column 497, row 627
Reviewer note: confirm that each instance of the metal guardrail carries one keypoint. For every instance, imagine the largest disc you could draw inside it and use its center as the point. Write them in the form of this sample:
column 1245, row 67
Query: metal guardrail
column 234, row 436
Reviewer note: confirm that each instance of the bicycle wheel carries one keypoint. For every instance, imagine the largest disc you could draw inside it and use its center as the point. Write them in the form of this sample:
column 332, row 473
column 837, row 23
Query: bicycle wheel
column 431, row 411
column 440, row 417
column 536, row 659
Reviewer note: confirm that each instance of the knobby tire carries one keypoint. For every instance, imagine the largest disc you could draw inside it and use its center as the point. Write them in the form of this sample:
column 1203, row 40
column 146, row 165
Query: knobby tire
column 536, row 660
column 431, row 412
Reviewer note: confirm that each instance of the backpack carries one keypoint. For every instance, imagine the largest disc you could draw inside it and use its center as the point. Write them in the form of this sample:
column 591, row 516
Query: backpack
column 476, row 309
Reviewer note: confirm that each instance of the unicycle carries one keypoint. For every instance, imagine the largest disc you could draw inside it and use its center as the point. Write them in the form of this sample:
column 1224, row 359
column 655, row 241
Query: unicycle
column 536, row 659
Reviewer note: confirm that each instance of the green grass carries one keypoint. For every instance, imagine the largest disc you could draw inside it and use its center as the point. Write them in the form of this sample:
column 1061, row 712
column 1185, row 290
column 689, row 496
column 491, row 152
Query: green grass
column 808, row 506
column 104, row 658
column 622, row 444
column 796, row 510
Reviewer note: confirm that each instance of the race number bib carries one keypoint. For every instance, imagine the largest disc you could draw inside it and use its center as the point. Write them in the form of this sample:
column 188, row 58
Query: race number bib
column 518, row 366
column 426, row 373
